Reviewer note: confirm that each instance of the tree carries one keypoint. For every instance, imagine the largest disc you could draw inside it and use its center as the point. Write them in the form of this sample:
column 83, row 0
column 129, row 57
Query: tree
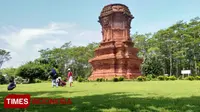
column 172, row 49
column 4, row 56
column 31, row 71
column 9, row 71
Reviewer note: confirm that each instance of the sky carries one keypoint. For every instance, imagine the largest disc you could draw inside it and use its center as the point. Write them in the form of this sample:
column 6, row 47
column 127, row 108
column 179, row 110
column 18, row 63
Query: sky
column 27, row 26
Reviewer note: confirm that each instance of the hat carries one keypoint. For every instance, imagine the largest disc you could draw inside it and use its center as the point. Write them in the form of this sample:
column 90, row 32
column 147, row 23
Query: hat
column 68, row 69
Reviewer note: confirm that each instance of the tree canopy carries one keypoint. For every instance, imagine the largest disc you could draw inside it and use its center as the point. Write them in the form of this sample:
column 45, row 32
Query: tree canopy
column 168, row 51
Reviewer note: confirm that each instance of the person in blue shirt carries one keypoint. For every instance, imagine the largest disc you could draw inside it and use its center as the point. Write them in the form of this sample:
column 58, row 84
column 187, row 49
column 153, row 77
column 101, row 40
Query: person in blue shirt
column 53, row 75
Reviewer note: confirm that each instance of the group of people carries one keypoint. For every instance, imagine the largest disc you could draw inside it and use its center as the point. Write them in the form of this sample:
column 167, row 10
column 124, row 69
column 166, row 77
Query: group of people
column 57, row 81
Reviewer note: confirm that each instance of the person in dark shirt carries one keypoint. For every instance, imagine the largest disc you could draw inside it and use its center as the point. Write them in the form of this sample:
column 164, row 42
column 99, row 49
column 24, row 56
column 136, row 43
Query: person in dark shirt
column 53, row 77
column 12, row 84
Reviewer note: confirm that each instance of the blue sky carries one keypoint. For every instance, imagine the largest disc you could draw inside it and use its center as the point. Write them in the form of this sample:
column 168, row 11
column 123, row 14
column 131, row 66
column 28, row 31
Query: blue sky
column 29, row 25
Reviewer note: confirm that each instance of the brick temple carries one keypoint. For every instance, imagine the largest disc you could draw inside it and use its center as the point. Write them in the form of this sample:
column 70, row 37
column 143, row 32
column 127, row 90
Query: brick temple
column 116, row 56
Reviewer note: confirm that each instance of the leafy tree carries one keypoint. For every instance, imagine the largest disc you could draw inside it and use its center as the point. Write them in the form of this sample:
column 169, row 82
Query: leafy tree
column 172, row 49
column 9, row 71
column 31, row 71
column 4, row 56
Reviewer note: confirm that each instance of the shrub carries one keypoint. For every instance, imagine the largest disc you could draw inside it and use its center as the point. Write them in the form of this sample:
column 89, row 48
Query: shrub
column 30, row 70
column 141, row 78
column 3, row 80
column 97, row 79
column 190, row 78
column 150, row 77
column 161, row 78
column 197, row 78
column 171, row 78
column 86, row 80
column 80, row 79
column 121, row 78
column 38, row 81
column 115, row 79
column 100, row 80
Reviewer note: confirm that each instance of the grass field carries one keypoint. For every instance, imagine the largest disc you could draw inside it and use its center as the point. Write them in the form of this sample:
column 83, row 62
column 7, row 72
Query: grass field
column 151, row 96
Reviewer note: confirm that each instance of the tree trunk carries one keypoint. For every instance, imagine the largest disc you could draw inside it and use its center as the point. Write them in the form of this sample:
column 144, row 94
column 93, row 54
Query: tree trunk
column 170, row 63
column 177, row 69
column 195, row 64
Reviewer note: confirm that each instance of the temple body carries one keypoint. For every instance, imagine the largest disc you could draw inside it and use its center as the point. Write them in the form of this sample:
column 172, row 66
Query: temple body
column 115, row 56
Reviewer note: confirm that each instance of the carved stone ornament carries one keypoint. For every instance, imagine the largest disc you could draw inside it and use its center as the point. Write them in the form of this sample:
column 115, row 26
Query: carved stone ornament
column 118, row 8
column 105, row 21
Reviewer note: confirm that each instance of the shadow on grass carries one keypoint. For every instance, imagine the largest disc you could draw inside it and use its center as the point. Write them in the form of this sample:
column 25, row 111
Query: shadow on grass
column 39, row 93
column 116, row 102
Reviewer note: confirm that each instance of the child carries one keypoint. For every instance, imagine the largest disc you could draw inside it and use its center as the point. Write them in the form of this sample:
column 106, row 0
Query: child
column 70, row 78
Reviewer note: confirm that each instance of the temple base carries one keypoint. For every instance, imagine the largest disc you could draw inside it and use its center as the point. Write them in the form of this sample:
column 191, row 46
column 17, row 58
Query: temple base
column 110, row 76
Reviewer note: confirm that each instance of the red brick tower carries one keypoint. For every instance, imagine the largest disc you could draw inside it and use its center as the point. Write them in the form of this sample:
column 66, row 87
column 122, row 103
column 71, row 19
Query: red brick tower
column 115, row 56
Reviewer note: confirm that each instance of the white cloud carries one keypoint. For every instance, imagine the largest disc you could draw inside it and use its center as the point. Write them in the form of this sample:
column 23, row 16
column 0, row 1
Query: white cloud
column 24, row 43
column 38, row 46
column 56, row 41
column 19, row 39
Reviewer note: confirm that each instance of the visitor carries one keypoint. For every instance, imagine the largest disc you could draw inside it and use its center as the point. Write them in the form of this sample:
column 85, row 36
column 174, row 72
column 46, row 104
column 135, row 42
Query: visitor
column 60, row 82
column 70, row 78
column 54, row 77
column 12, row 84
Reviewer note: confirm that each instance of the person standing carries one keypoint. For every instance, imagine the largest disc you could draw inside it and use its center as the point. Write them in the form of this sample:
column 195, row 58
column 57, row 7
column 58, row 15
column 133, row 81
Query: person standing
column 70, row 78
column 54, row 77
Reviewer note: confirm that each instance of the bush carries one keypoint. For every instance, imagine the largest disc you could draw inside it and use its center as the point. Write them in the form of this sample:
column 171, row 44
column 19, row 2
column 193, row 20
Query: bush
column 190, row 78
column 100, row 80
column 38, row 81
column 115, row 79
column 171, row 78
column 141, row 78
column 31, row 70
column 150, row 77
column 80, row 79
column 121, row 78
column 162, row 78
column 197, row 78
column 97, row 79
column 3, row 80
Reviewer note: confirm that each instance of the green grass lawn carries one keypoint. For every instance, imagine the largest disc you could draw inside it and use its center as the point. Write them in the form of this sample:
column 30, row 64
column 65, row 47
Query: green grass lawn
column 151, row 96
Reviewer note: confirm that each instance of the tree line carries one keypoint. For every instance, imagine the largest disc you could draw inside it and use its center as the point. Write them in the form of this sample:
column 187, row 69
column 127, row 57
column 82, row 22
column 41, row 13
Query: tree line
column 170, row 50
column 167, row 51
